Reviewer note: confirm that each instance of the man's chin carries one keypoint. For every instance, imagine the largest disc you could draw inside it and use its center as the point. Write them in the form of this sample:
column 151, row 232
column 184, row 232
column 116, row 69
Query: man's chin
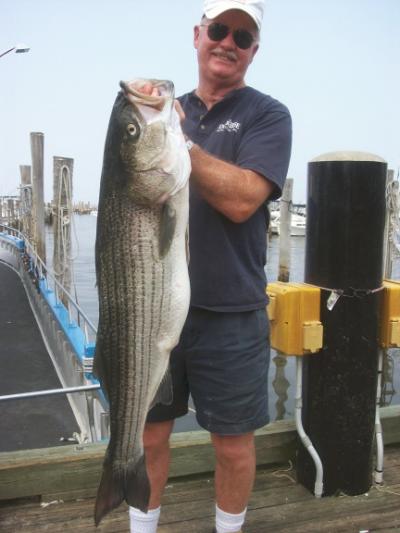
column 222, row 69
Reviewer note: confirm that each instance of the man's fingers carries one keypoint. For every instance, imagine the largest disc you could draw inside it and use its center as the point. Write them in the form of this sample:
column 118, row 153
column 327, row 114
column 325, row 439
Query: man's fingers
column 147, row 88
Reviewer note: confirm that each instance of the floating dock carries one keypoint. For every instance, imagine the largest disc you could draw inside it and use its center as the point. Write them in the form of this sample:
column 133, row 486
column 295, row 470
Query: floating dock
column 26, row 366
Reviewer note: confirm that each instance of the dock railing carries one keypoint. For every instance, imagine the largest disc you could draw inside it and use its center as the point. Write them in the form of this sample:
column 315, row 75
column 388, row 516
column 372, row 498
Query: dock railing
column 90, row 407
column 43, row 273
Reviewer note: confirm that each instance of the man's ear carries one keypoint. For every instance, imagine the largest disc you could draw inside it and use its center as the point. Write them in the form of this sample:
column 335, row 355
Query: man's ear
column 254, row 52
column 196, row 34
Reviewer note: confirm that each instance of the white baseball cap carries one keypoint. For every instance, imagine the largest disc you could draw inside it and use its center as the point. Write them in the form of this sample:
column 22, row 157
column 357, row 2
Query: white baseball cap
column 254, row 8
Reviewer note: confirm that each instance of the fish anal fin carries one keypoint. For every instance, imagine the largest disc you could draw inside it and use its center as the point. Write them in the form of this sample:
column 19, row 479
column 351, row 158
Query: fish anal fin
column 164, row 393
column 167, row 228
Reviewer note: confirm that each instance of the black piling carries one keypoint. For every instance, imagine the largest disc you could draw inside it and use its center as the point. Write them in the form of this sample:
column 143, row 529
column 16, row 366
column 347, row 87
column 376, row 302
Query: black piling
column 344, row 252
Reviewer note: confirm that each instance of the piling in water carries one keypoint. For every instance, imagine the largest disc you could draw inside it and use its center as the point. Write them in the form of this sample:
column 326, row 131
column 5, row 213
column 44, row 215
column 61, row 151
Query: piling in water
column 344, row 252
column 63, row 212
column 37, row 152
column 26, row 200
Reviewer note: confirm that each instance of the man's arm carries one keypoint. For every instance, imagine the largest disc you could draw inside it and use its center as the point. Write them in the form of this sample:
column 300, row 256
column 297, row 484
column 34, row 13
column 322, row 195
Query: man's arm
column 236, row 192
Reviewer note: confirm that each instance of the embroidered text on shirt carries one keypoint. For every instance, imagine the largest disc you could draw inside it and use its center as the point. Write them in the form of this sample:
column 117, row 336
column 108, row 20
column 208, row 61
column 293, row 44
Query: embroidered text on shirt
column 230, row 126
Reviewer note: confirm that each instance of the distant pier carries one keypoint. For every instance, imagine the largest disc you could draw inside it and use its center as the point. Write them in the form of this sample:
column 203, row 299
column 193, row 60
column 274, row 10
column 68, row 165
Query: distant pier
column 84, row 208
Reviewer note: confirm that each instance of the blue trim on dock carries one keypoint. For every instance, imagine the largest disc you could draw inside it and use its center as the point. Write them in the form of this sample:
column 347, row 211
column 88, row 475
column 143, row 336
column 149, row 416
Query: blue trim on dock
column 72, row 330
column 17, row 242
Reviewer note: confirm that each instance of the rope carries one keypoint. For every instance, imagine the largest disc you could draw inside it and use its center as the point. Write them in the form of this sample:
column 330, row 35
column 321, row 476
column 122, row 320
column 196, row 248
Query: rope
column 393, row 207
column 65, row 219
column 350, row 292
column 26, row 200
column 282, row 473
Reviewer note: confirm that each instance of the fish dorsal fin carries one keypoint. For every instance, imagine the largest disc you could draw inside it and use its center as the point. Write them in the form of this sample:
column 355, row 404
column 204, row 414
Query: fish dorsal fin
column 167, row 228
column 164, row 393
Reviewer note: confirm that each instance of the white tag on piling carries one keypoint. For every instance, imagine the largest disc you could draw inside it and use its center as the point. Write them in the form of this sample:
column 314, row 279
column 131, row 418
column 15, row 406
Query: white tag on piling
column 333, row 298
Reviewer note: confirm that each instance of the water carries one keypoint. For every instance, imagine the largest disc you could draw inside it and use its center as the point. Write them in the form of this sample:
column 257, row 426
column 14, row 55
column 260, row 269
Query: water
column 282, row 370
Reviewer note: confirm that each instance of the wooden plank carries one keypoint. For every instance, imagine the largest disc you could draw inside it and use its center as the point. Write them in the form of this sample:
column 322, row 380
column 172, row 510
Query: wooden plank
column 75, row 470
column 277, row 504
column 36, row 472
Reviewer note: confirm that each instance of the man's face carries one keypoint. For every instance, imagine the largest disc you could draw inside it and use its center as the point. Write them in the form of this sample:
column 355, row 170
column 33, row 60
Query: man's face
column 223, row 61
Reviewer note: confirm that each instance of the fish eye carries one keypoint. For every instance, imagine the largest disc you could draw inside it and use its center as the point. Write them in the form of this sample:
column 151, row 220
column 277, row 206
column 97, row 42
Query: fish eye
column 131, row 129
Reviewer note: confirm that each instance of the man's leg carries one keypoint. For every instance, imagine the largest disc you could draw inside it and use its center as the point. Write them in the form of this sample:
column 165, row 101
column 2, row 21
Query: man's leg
column 234, row 471
column 156, row 444
column 227, row 371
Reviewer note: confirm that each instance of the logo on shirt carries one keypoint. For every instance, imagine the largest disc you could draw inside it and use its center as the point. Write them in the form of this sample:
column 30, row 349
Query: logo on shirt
column 232, row 127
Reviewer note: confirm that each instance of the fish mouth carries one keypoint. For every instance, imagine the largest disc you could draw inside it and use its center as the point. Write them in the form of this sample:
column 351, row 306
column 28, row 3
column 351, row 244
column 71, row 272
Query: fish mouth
column 136, row 92
column 152, row 99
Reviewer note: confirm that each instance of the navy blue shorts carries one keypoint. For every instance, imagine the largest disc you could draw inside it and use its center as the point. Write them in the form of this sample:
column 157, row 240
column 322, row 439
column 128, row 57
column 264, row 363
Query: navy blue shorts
column 222, row 360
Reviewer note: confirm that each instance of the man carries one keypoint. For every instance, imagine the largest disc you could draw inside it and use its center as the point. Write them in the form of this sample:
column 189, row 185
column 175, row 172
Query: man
column 239, row 141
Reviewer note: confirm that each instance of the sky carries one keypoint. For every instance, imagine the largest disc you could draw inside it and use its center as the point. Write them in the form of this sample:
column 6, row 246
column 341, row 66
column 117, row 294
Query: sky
column 334, row 63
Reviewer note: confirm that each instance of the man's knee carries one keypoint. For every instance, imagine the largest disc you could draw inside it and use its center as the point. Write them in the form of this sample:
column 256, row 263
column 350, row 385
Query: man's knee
column 234, row 449
column 156, row 436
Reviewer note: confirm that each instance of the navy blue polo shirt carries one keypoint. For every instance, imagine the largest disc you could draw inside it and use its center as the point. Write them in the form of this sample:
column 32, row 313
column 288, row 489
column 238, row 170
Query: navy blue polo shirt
column 227, row 259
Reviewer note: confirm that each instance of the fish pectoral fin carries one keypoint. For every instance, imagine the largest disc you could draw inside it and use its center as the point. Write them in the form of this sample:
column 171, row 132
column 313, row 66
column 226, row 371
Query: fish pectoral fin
column 187, row 245
column 164, row 393
column 167, row 228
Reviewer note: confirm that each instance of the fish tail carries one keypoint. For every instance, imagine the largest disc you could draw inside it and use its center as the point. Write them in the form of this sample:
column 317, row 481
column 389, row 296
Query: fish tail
column 130, row 484
column 137, row 485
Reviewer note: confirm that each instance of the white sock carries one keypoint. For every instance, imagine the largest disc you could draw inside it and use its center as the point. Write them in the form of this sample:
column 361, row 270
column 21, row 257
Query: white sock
column 227, row 522
column 144, row 522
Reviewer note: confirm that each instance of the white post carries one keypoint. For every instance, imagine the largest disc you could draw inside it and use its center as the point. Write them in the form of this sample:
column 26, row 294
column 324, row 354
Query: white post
column 284, row 231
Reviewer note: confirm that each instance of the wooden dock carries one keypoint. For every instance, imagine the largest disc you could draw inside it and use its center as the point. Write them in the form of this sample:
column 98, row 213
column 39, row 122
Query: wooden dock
column 278, row 504
column 53, row 489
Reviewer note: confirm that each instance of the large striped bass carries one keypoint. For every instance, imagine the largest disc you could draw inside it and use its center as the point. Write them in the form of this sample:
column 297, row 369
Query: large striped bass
column 142, row 277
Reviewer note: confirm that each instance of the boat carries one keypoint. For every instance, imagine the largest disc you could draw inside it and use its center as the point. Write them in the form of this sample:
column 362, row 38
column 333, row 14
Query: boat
column 297, row 224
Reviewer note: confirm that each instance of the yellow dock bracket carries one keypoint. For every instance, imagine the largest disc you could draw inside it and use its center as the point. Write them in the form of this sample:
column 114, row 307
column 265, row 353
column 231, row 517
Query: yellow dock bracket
column 390, row 314
column 294, row 313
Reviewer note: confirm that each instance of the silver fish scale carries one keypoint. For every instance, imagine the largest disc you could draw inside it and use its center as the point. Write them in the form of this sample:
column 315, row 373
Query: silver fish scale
column 133, row 303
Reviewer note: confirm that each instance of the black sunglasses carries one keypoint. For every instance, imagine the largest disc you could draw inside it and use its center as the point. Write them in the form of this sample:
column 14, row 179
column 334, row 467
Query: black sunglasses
column 217, row 32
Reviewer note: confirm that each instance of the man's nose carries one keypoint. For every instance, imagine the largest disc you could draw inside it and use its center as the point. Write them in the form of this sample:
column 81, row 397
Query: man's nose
column 228, row 42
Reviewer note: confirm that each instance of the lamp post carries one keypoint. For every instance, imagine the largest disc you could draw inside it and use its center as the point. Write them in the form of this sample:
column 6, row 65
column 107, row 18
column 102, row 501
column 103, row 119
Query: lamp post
column 18, row 48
